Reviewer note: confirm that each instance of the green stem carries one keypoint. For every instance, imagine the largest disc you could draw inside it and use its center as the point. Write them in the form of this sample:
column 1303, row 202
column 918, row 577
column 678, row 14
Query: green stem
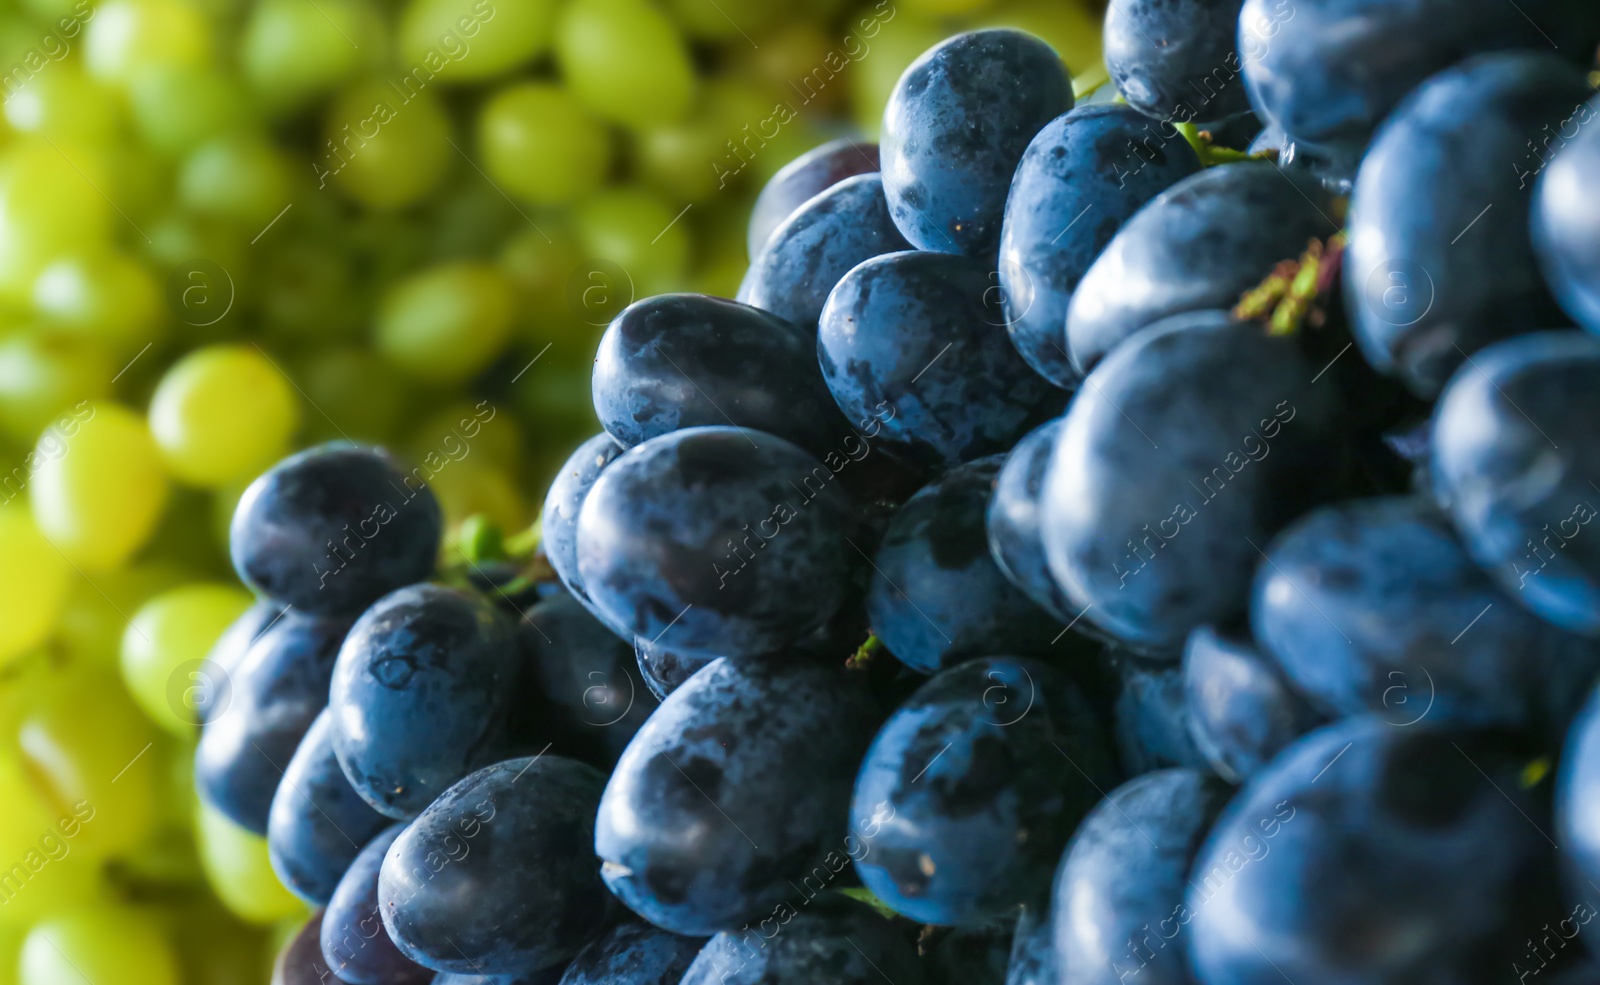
column 864, row 654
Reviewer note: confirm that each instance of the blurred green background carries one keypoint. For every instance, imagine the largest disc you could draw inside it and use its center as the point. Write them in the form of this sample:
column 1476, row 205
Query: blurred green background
column 230, row 228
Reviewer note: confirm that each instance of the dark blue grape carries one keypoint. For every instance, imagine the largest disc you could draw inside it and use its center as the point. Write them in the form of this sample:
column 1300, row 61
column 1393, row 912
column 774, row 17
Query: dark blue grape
column 1516, row 462
column 1375, row 606
column 335, row 527
column 1012, row 520
column 936, row 596
column 1441, row 259
column 975, row 785
column 580, row 686
column 546, row 976
column 1370, row 853
column 1242, row 711
column 634, row 954
column 353, row 940
column 558, row 522
column 1083, row 176
column 1577, row 807
column 913, row 348
column 228, row 652
column 1200, row 244
column 1189, row 445
column 300, row 962
column 1566, row 225
column 498, row 875
column 672, row 542
column 277, row 692
column 689, row 360
column 1122, row 881
column 420, row 694
column 1177, row 60
column 956, row 125
column 804, row 178
column 1033, row 950
column 1151, row 718
column 663, row 669
column 1328, row 72
column 734, row 790
column 318, row 822
column 833, row 941
column 817, row 245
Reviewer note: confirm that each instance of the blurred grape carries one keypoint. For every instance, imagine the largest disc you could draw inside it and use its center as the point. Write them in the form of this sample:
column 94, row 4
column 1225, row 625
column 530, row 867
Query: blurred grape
column 222, row 415
column 626, row 60
column 445, row 324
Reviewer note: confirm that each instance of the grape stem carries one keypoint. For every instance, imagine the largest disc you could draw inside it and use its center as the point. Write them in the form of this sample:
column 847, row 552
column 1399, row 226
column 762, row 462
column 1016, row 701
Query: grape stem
column 1209, row 153
column 1288, row 298
column 864, row 654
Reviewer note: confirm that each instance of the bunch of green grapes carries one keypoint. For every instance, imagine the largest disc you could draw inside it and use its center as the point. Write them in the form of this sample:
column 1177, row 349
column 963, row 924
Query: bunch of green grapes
column 231, row 228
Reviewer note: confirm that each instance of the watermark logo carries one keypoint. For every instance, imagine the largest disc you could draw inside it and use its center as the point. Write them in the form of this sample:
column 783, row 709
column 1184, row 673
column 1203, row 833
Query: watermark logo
column 198, row 691
column 1400, row 293
column 598, row 290
column 200, row 292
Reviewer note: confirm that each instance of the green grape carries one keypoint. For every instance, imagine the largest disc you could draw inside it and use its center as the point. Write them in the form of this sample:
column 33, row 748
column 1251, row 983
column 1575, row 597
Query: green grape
column 176, row 108
column 626, row 60
column 49, row 206
column 102, row 943
column 103, row 776
column 351, row 394
column 43, row 377
column 127, row 36
column 293, row 50
column 1072, row 29
column 236, row 864
column 58, row 885
column 897, row 40
column 106, row 296
column 222, row 414
column 239, row 176
column 33, row 581
column 471, row 40
column 734, row 21
column 63, row 103
column 96, row 613
column 10, row 954
column 801, row 63
column 307, row 291
column 98, row 493
column 445, row 323
column 541, row 145
column 387, row 146
column 640, row 233
column 177, row 241
column 467, row 429
column 170, row 635
column 541, row 263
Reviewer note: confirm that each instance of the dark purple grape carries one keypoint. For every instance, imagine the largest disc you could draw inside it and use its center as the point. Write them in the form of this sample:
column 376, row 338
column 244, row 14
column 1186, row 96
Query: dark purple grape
column 832, row 941
column 634, row 954
column 1177, row 60
column 558, row 523
column 804, row 178
column 1012, row 520
column 353, row 940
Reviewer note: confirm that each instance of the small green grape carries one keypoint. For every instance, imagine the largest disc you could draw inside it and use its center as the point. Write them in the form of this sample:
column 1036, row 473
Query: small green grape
column 105, row 296
column 49, row 206
column 626, row 60
column 223, row 414
column 236, row 864
column 471, row 40
column 99, row 488
column 64, row 103
column 444, row 324
column 34, row 581
column 42, row 377
column 176, row 108
column 96, row 612
column 387, row 146
column 540, row 144
column 734, row 21
column 175, row 628
column 640, row 233
column 102, row 943
column 293, row 50
column 127, row 36
column 540, row 263
column 239, row 176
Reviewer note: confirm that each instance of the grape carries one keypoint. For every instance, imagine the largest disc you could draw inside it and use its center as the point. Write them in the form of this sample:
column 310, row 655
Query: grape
column 687, row 360
column 361, row 391
column 979, row 830
column 663, row 670
column 1127, row 870
column 1032, row 960
column 955, row 128
column 100, row 489
column 470, row 40
column 445, row 324
column 468, row 489
column 539, row 263
column 1150, row 718
column 559, row 519
column 63, row 103
column 803, row 178
column 105, row 296
column 1435, row 822
column 99, row 943
column 1564, row 224
column 276, row 693
column 625, row 60
column 384, row 146
column 897, row 37
column 167, row 634
column 42, row 377
column 817, row 245
column 214, row 689
column 238, row 176
column 1074, row 189
column 1193, row 396
column 221, row 414
column 176, row 108
column 734, row 787
column 430, row 653
column 335, row 527
column 935, row 374
column 1434, row 278
column 633, row 952
column 48, row 207
column 95, row 615
column 239, row 870
column 1242, row 710
column 664, row 534
column 540, row 144
column 839, row 941
column 1074, row 30
column 126, row 37
column 639, row 233
column 522, row 894
column 353, row 941
column 1012, row 521
column 1512, row 463
column 300, row 960
column 724, row 20
column 1199, row 244
column 290, row 52
column 1177, row 61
